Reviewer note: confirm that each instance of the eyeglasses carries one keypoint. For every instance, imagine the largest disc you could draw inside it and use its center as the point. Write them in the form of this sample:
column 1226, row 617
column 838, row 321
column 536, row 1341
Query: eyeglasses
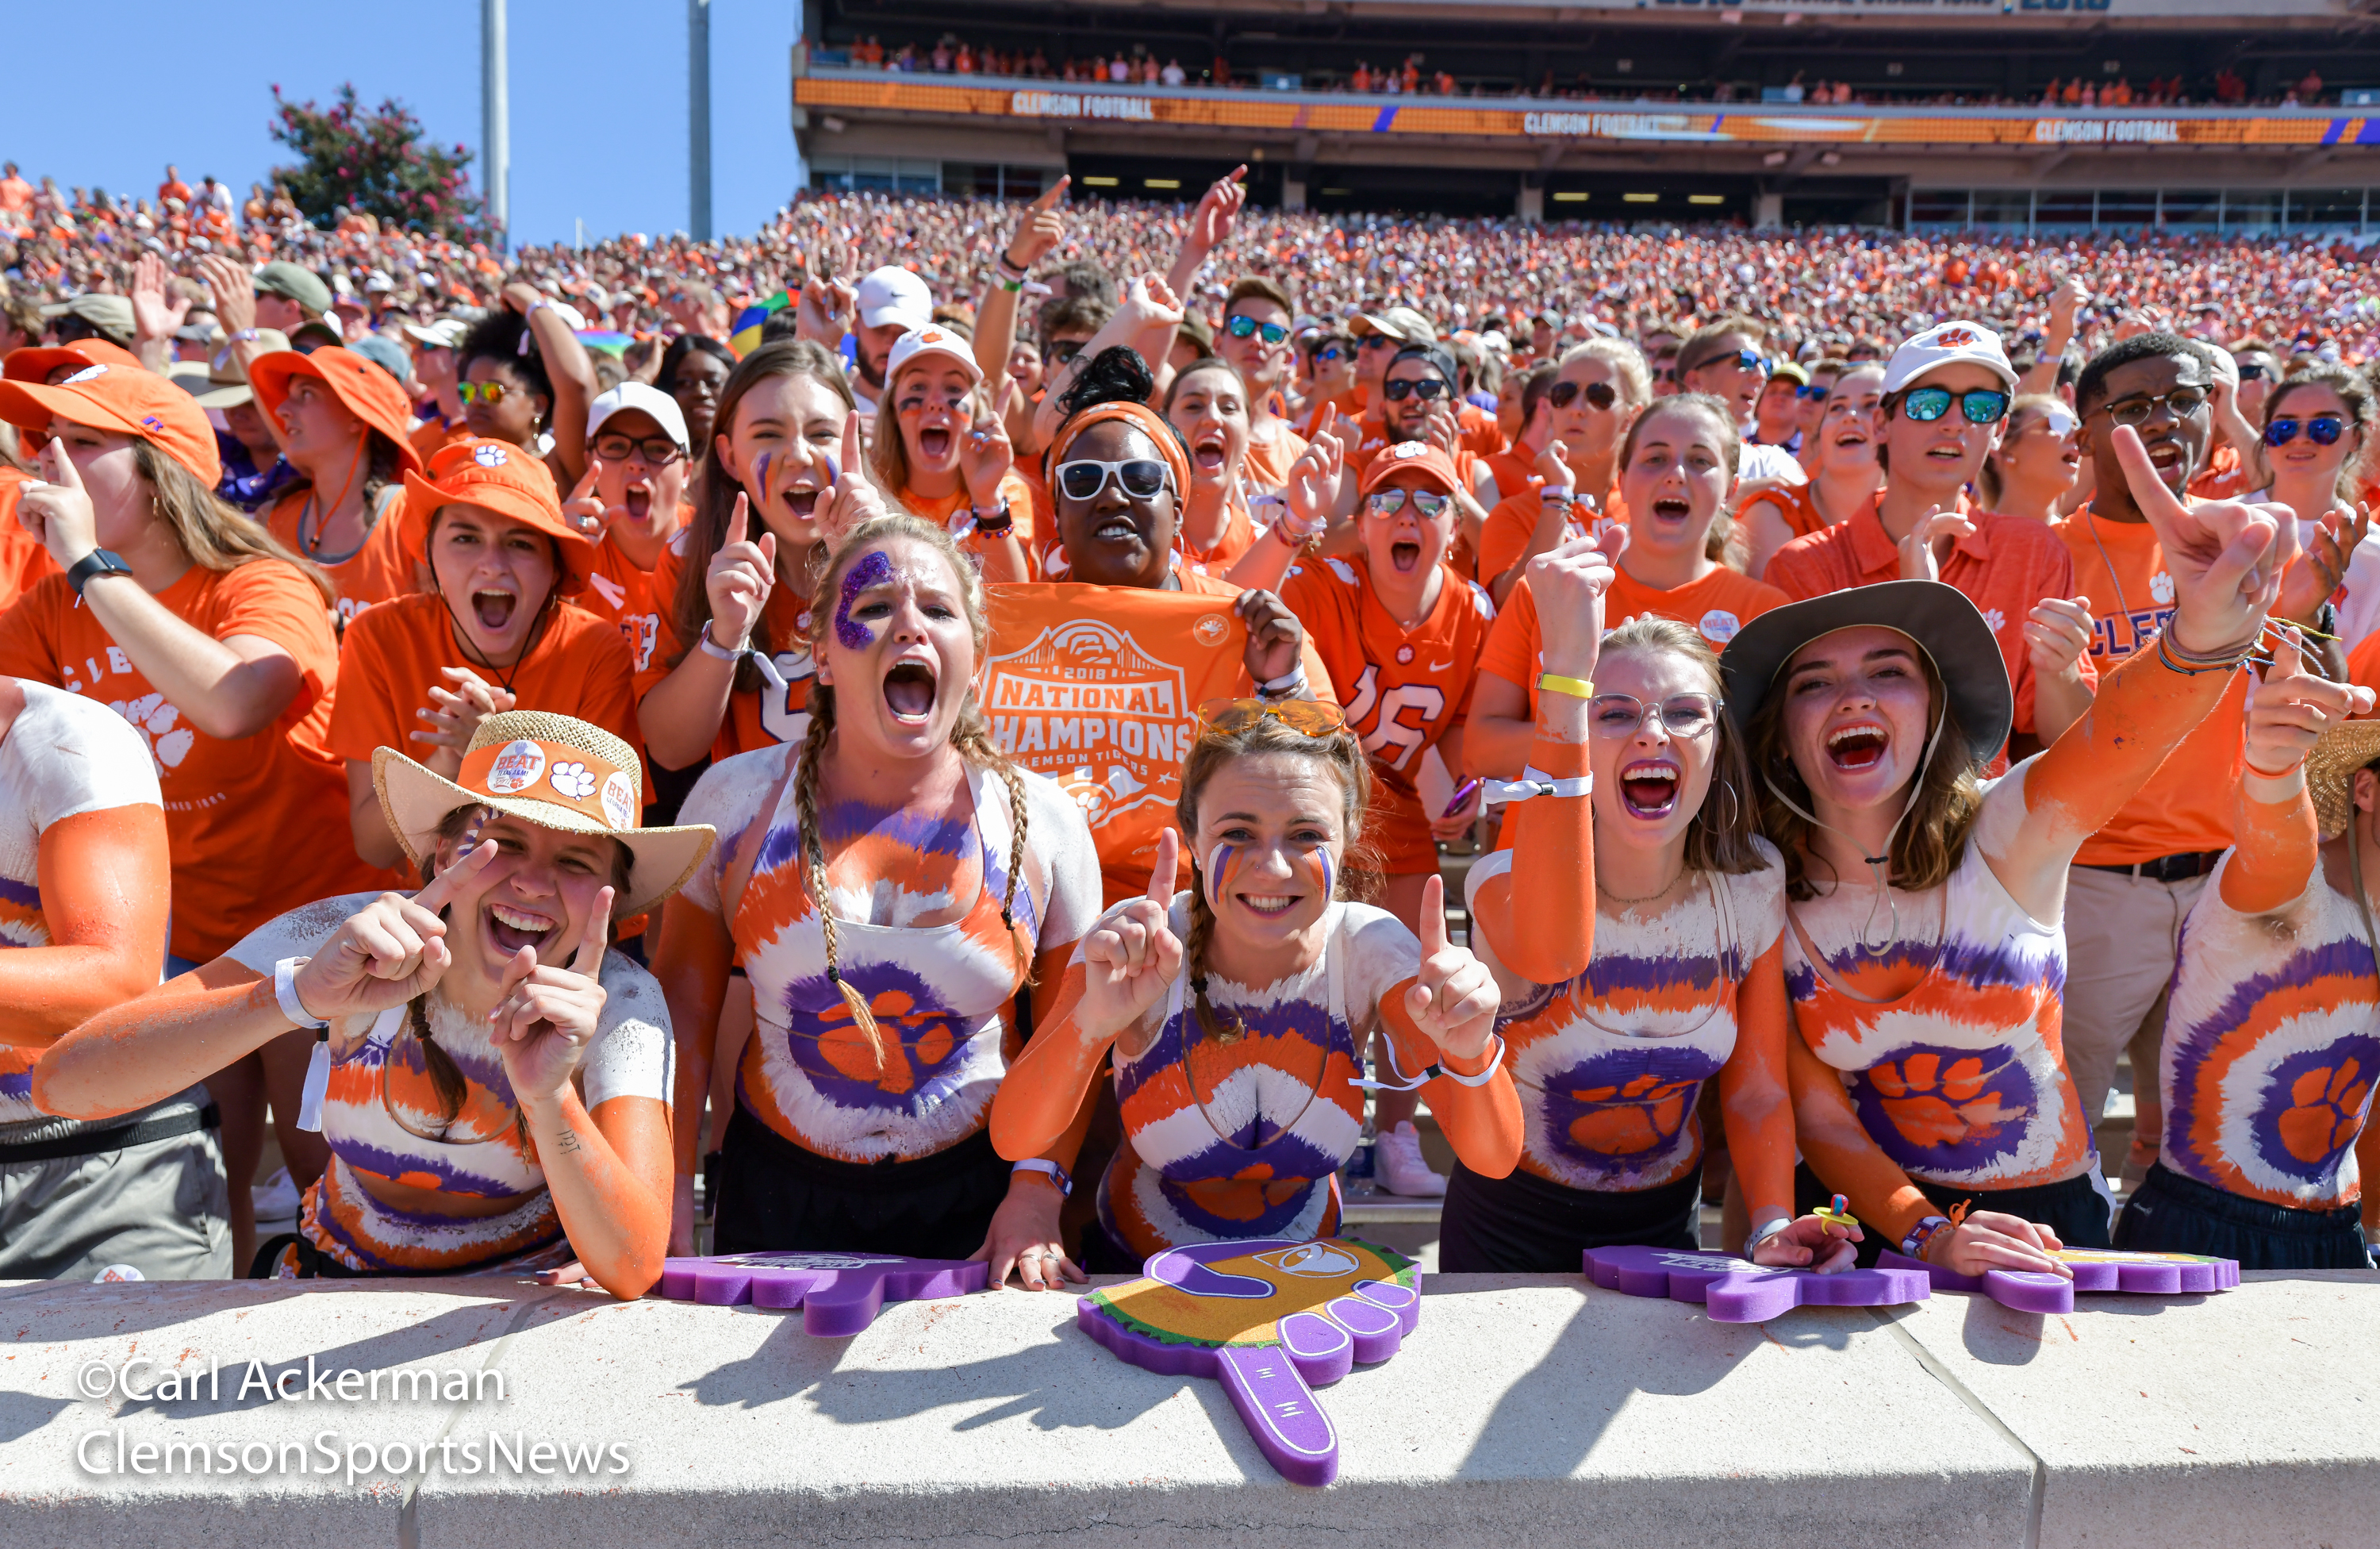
column 1599, row 395
column 2252, row 371
column 1981, row 406
column 1427, row 504
column 1243, row 326
column 489, row 393
column 2181, row 403
column 1811, row 390
column 1615, row 716
column 1142, row 478
column 1378, row 341
column 1230, row 718
column 2323, row 429
column 1424, row 388
column 1742, row 360
column 658, row 451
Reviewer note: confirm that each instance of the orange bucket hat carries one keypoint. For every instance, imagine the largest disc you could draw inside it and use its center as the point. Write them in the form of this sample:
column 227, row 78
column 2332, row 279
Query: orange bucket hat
column 363, row 390
column 504, row 479
column 34, row 363
column 128, row 400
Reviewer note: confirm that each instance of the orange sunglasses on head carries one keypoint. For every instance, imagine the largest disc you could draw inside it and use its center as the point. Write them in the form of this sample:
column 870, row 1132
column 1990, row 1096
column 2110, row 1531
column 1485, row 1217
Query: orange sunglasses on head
column 1230, row 718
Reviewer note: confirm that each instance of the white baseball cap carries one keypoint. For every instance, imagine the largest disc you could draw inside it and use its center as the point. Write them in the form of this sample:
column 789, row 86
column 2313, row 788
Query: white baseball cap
column 893, row 295
column 1948, row 344
column 444, row 334
column 639, row 396
column 932, row 339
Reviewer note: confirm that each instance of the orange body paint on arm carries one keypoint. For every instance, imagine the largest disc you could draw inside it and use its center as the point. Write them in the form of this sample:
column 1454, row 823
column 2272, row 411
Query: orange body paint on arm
column 1540, row 915
column 1843, row 1155
column 1755, row 1101
column 104, row 881
column 2275, row 844
column 1482, row 1123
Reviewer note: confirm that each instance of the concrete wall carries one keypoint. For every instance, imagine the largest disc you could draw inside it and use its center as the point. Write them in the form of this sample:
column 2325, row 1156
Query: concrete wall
column 1530, row 1409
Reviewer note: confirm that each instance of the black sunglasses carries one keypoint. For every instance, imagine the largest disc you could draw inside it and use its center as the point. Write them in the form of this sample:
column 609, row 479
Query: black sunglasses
column 1423, row 388
column 2252, row 371
column 1059, row 351
column 1599, row 395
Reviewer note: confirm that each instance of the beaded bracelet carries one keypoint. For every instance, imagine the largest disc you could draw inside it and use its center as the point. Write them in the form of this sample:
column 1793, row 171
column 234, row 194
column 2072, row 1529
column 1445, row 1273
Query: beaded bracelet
column 1914, row 1245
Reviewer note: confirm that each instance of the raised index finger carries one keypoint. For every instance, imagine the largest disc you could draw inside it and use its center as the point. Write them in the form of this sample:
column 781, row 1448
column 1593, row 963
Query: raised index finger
column 1050, row 196
column 854, row 459
column 1433, row 918
column 588, row 959
column 1165, row 870
column 443, row 887
column 2162, row 508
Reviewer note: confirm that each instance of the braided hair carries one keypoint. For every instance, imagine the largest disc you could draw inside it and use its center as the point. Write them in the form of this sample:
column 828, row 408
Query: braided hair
column 1341, row 753
column 970, row 737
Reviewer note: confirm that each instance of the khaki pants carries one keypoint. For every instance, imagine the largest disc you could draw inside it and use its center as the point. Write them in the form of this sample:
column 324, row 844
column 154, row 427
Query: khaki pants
column 2123, row 935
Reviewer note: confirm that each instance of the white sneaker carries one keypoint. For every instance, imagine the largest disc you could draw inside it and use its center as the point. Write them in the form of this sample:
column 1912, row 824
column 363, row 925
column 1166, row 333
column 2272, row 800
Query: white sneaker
column 276, row 1198
column 1397, row 1163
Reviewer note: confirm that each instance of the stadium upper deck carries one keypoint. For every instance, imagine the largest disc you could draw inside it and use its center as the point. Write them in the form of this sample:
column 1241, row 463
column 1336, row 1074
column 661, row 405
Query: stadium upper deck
column 1924, row 112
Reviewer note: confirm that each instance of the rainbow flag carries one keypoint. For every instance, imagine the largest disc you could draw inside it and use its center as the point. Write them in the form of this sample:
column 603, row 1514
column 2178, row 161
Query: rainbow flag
column 748, row 322
column 605, row 339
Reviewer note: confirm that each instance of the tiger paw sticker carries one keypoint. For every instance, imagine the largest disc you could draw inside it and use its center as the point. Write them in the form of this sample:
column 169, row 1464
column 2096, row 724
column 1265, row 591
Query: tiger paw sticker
column 1271, row 1319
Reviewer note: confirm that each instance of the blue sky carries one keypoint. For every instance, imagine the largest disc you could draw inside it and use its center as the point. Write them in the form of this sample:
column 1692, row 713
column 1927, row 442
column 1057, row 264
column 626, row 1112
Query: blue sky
column 598, row 116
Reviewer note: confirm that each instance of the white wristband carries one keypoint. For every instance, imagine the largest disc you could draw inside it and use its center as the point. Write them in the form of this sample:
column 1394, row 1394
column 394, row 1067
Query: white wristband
column 1287, row 686
column 709, row 647
column 1043, row 1164
column 284, row 990
column 1763, row 1231
column 1533, row 783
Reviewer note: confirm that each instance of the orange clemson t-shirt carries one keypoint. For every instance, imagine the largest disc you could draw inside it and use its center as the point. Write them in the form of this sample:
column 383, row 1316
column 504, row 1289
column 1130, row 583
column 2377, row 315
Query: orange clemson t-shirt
column 2186, row 806
column 628, row 598
column 1504, row 537
column 1013, row 489
column 754, row 719
column 377, row 571
column 1403, row 690
column 257, row 825
column 393, row 653
column 1098, row 686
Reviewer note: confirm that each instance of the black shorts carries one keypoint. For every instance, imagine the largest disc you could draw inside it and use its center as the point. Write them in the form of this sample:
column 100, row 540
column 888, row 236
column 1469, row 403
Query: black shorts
column 2074, row 1209
column 1526, row 1224
column 776, row 1196
column 2171, row 1213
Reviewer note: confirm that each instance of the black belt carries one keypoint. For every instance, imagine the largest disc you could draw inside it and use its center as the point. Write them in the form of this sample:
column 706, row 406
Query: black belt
column 91, row 1142
column 2165, row 868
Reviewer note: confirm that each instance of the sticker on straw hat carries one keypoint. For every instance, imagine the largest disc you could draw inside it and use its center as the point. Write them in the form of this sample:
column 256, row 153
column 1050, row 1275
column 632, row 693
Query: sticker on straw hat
column 1719, row 625
column 620, row 800
column 516, row 768
column 575, row 781
column 490, row 456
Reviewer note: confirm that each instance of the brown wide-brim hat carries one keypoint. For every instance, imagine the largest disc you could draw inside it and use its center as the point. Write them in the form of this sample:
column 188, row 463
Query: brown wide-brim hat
column 2330, row 772
column 557, row 773
column 1941, row 620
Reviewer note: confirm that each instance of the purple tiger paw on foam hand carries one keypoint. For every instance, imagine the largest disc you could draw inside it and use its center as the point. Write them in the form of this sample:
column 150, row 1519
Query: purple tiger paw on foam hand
column 839, row 1294
column 1272, row 1321
column 1733, row 1291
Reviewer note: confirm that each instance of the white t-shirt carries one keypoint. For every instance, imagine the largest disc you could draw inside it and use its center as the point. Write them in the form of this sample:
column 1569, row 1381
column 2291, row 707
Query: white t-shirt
column 64, row 756
column 1760, row 461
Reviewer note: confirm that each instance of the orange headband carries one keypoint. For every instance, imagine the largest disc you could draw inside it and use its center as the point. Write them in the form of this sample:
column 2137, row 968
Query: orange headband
column 1168, row 445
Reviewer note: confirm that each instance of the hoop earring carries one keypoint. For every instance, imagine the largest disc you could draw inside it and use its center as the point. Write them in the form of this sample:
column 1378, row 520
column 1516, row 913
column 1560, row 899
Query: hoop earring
column 1733, row 806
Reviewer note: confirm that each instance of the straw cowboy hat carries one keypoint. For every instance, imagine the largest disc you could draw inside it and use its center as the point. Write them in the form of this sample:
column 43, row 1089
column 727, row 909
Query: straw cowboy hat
column 554, row 772
column 2330, row 772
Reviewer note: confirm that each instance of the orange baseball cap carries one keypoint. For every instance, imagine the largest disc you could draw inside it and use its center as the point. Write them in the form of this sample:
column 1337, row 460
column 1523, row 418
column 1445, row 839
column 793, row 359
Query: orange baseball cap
column 504, row 479
column 35, row 363
column 128, row 400
column 363, row 389
column 1403, row 457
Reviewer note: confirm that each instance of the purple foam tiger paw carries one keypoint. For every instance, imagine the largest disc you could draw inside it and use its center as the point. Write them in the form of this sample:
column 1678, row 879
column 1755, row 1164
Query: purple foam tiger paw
column 839, row 1293
column 1733, row 1290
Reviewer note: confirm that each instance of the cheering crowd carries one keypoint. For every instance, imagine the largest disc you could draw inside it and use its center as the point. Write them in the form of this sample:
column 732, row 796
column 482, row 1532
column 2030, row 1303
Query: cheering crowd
column 989, row 718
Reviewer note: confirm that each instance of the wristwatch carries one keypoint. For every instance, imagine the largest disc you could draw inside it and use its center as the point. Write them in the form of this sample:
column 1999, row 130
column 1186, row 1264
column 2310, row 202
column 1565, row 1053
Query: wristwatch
column 97, row 562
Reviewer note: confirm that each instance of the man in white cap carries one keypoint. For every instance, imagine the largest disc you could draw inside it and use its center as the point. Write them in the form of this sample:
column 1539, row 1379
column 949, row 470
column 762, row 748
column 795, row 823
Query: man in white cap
column 890, row 302
column 433, row 368
column 1946, row 400
column 638, row 464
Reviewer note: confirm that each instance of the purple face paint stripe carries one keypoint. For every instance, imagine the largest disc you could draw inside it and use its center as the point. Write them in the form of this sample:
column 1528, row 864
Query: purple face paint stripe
column 1217, row 859
column 872, row 569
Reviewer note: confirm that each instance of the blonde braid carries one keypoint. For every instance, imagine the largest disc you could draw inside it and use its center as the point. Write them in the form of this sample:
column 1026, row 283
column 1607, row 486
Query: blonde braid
column 806, row 812
column 1193, row 963
column 975, row 744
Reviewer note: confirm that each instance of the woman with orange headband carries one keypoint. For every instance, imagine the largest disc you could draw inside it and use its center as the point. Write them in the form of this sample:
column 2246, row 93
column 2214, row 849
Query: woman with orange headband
column 1118, row 478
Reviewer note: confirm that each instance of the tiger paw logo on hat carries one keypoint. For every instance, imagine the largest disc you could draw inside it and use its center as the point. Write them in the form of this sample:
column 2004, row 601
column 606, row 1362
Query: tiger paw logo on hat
column 575, row 781
column 1405, row 449
column 487, row 456
column 516, row 769
column 1957, row 336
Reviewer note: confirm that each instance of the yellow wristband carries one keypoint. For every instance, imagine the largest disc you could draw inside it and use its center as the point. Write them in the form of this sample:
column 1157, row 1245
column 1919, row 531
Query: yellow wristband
column 1578, row 686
